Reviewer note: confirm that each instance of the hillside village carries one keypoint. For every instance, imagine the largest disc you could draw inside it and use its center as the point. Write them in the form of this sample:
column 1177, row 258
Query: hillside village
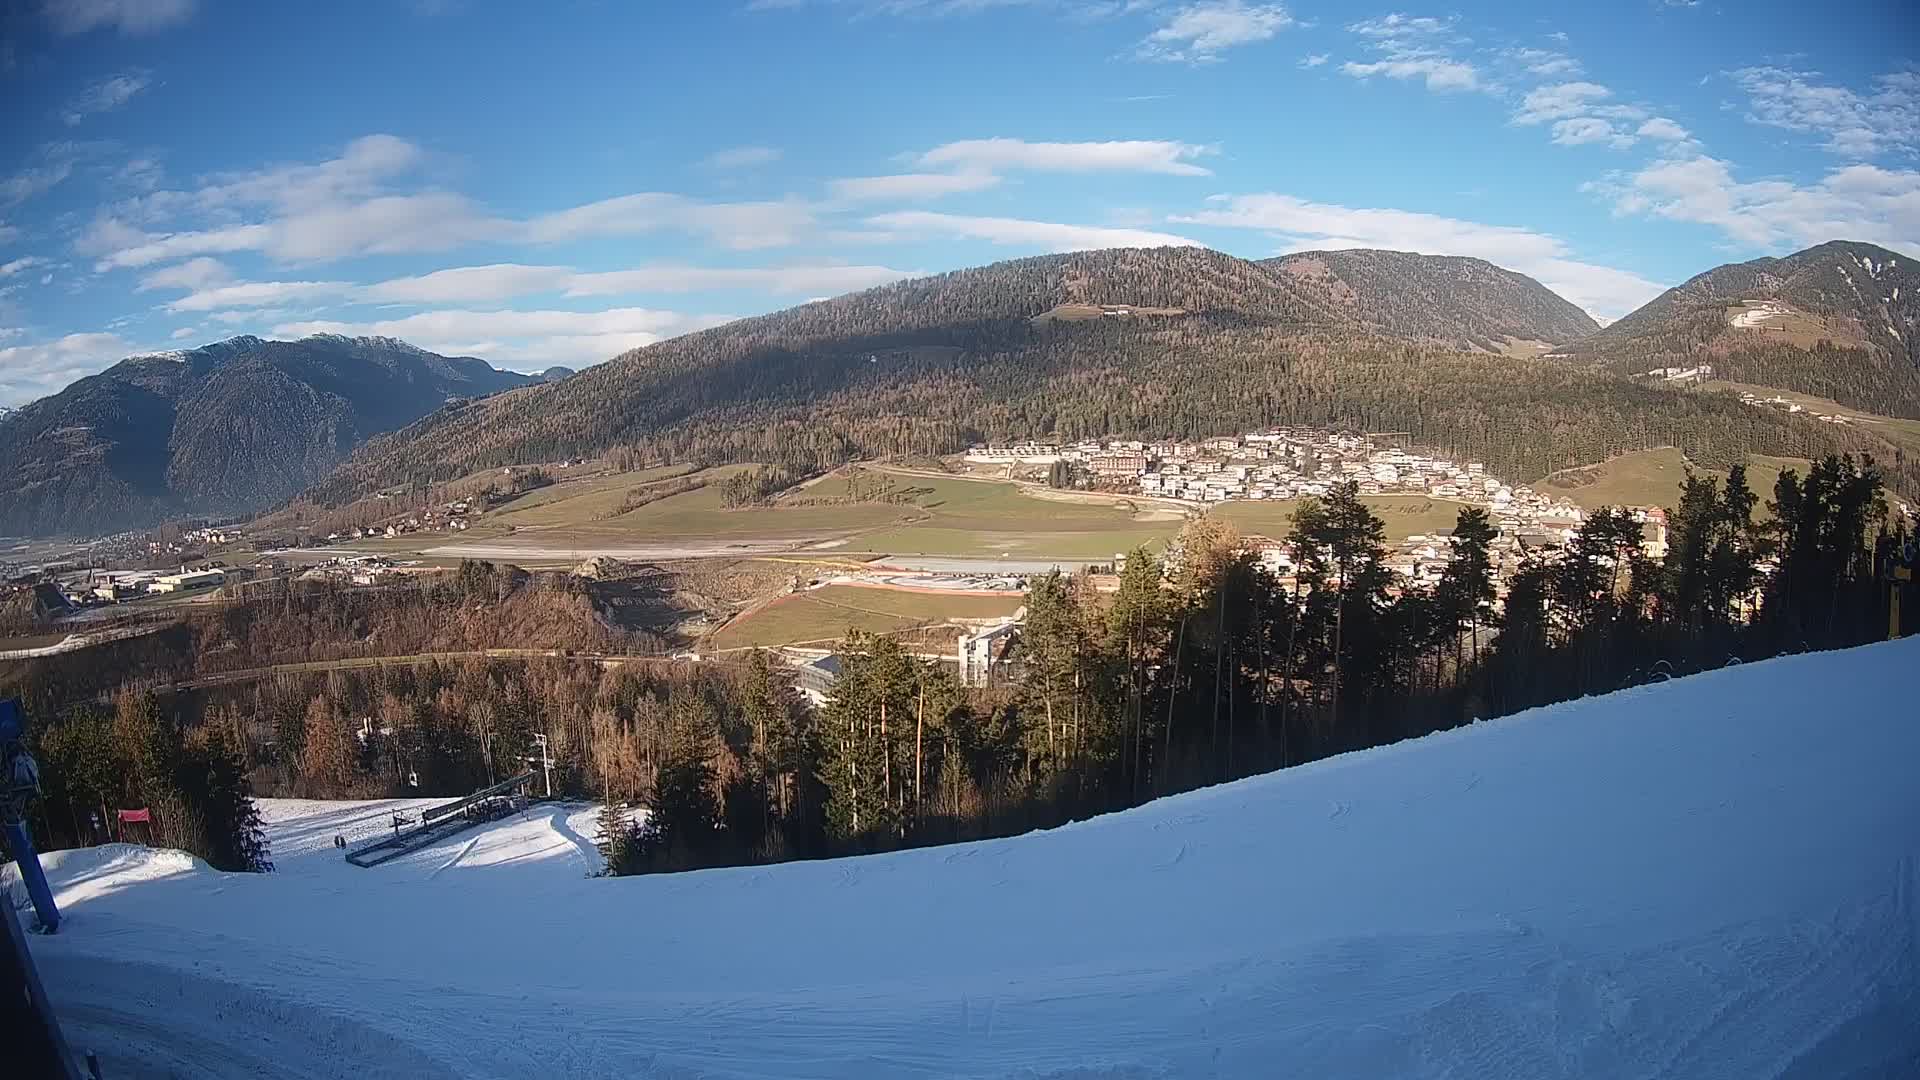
column 1290, row 463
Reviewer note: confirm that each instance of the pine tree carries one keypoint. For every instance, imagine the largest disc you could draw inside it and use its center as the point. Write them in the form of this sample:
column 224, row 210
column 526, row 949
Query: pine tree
column 615, row 840
column 220, row 796
column 1341, row 548
column 866, row 738
column 682, row 826
column 1136, row 624
column 1055, row 673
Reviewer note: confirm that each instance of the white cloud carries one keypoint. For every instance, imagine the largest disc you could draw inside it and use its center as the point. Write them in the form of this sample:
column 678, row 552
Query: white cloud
column 1399, row 26
column 159, row 248
column 1589, row 129
column 198, row 273
column 260, row 294
column 104, row 96
column 1314, row 60
column 529, row 340
column 504, row 281
column 1583, row 114
column 249, row 318
column 828, row 279
column 31, row 371
column 1414, row 47
column 742, row 157
column 184, row 333
column 1544, row 62
column 332, row 209
column 8, row 233
column 21, row 265
column 740, row 226
column 1042, row 235
column 435, row 221
column 470, row 284
column 1858, row 202
column 129, row 17
column 1857, row 125
column 1133, row 155
column 358, row 172
column 1560, row 101
column 1302, row 225
column 1664, row 130
column 33, row 180
column 1198, row 33
column 1438, row 72
column 910, row 187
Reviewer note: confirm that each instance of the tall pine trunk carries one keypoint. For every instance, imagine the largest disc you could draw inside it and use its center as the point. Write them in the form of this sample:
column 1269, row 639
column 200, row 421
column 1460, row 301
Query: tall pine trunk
column 1173, row 692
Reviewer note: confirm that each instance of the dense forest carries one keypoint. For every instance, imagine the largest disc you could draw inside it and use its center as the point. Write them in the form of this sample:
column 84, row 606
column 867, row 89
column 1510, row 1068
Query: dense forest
column 1199, row 669
column 1848, row 328
column 929, row 366
column 1465, row 303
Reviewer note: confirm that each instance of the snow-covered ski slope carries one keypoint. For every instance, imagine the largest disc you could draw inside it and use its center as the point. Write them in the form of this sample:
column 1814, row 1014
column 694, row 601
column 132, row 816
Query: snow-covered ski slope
column 1712, row 877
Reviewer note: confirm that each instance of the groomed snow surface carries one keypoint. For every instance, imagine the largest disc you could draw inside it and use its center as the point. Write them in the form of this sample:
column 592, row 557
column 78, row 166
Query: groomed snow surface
column 1712, row 877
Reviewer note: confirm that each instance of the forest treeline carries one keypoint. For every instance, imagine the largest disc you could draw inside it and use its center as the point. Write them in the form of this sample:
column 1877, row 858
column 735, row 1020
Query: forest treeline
column 1196, row 671
column 930, row 366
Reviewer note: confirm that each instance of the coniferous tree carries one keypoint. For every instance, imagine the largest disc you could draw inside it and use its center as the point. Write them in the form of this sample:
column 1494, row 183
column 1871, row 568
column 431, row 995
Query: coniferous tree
column 1466, row 591
column 865, row 738
column 616, row 838
column 1135, row 626
column 1056, row 668
column 682, row 826
column 1340, row 547
column 218, row 794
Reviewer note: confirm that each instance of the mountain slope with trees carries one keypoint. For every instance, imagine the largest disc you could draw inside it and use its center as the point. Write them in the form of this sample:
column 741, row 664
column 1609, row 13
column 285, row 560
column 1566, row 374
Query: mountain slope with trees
column 1467, row 303
column 226, row 428
column 928, row 366
column 1840, row 320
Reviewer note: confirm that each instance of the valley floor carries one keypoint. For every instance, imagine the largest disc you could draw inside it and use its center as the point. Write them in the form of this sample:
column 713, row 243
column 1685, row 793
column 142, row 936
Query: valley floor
column 1713, row 877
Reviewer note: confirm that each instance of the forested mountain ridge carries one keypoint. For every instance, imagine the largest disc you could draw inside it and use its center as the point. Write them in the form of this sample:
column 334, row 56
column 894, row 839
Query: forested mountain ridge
column 1467, row 303
column 930, row 365
column 226, row 428
column 1840, row 320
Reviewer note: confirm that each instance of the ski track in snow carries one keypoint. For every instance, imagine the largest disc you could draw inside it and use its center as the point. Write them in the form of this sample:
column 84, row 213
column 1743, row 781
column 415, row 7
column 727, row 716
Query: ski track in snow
column 1718, row 876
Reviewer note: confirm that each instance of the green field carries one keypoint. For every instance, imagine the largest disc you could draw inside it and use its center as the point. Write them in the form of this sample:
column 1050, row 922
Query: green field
column 944, row 516
column 956, row 517
column 1405, row 515
column 1652, row 478
column 581, row 501
column 824, row 615
column 1901, row 432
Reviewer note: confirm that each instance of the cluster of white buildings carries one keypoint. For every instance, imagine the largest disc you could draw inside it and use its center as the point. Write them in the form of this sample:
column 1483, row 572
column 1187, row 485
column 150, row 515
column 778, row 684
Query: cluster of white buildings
column 103, row 586
column 1288, row 463
column 1283, row 463
column 193, row 539
column 1697, row 373
column 1782, row 404
column 450, row 517
column 352, row 570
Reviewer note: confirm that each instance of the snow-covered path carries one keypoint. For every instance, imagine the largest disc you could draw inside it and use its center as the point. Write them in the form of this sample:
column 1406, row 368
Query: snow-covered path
column 1714, row 877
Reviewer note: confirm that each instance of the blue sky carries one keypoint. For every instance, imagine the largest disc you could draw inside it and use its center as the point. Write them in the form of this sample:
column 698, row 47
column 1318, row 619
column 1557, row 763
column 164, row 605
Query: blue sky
column 555, row 183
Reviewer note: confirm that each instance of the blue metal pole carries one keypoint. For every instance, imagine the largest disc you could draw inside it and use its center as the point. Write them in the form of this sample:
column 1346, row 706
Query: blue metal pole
column 21, row 841
column 21, row 780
